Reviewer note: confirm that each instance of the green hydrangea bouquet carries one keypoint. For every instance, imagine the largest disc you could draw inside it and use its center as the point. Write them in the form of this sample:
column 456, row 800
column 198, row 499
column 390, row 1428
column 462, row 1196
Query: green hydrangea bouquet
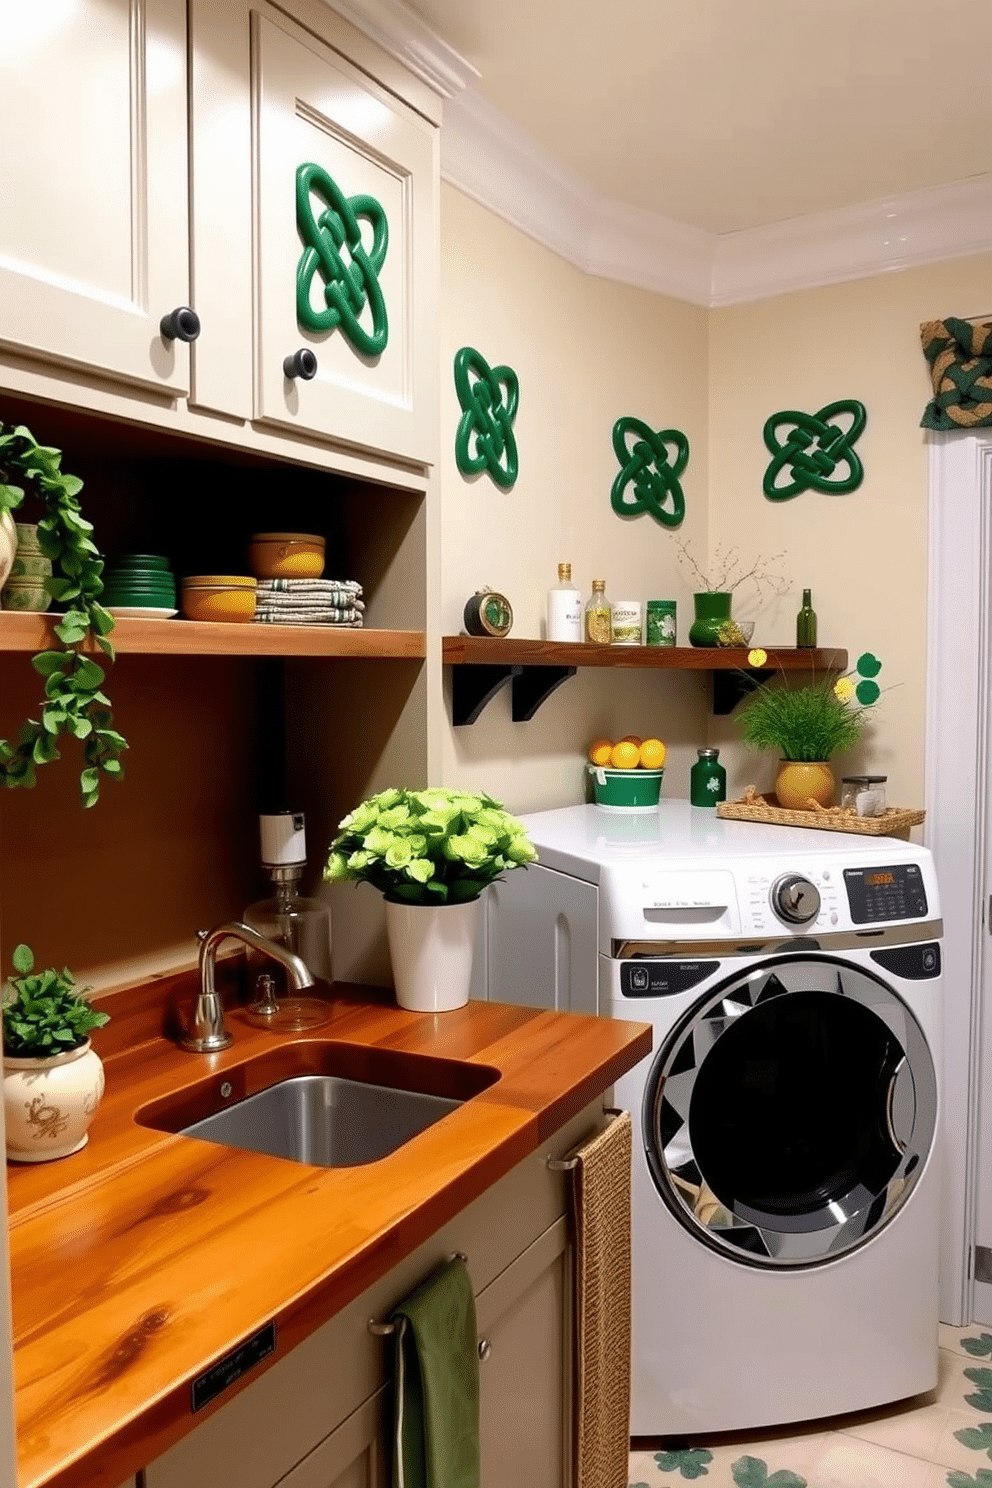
column 429, row 846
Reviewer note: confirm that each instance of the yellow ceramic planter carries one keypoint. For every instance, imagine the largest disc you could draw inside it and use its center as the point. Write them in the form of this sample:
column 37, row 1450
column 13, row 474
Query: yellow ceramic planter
column 800, row 781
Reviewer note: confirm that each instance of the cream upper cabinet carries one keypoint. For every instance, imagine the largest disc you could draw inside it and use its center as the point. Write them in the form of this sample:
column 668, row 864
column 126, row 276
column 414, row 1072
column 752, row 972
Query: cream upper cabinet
column 93, row 157
column 319, row 243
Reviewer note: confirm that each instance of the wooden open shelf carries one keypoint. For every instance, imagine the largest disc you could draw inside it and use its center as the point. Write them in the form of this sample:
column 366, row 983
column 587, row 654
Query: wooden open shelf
column 179, row 637
column 483, row 664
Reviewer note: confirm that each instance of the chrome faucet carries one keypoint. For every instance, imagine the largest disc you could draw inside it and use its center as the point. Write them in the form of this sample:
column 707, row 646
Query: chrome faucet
column 206, row 1031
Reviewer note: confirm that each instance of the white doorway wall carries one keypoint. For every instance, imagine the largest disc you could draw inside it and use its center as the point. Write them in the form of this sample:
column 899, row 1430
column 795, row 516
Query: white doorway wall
column 958, row 777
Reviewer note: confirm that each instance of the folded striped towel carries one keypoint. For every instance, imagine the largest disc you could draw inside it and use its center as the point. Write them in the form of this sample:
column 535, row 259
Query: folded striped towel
column 347, row 618
column 310, row 602
column 332, row 591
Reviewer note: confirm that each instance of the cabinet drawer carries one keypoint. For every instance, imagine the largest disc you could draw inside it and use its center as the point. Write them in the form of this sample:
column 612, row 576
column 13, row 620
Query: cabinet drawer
column 278, row 1419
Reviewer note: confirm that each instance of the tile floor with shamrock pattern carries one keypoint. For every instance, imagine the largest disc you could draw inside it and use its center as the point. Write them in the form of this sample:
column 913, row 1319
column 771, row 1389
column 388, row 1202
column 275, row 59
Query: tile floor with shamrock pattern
column 940, row 1440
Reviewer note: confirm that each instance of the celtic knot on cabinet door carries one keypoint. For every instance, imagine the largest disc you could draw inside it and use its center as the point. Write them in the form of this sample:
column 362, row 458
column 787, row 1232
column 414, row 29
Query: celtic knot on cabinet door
column 349, row 287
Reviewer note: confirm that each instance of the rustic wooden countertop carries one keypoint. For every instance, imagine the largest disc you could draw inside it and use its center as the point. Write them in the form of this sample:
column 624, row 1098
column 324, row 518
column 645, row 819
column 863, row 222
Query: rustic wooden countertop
column 143, row 1259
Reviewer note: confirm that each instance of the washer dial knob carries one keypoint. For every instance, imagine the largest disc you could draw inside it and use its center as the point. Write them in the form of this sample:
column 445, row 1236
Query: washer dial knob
column 795, row 899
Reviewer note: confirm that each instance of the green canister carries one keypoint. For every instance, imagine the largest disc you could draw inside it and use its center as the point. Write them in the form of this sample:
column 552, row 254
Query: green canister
column 660, row 625
column 707, row 779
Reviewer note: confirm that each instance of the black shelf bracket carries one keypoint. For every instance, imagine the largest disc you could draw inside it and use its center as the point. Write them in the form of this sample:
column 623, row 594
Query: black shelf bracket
column 472, row 687
column 533, row 686
column 730, row 687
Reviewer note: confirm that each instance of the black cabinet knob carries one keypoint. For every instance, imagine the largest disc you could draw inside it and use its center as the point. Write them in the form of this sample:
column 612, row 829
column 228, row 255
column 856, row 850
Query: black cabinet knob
column 302, row 363
column 181, row 324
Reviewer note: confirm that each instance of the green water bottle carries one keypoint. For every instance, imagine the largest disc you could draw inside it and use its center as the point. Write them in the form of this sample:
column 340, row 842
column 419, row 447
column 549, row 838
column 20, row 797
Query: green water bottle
column 806, row 622
column 707, row 779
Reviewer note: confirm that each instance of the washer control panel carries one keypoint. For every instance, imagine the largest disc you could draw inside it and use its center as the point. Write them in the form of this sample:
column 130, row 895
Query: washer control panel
column 806, row 898
column 795, row 899
column 885, row 893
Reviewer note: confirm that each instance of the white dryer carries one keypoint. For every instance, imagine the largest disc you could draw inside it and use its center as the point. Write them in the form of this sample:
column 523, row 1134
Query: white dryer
column 786, row 1183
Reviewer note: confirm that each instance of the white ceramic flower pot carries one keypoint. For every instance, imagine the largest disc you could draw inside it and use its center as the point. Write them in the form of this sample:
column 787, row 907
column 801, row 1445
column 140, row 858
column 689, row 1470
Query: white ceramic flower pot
column 430, row 947
column 8, row 545
column 49, row 1103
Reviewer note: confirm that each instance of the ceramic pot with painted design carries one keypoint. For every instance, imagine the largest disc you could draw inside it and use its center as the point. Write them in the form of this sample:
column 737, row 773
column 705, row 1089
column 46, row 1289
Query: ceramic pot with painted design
column 49, row 1103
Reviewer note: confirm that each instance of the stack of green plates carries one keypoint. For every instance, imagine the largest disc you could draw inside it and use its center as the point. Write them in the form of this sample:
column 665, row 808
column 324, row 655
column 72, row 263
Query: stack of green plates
column 139, row 584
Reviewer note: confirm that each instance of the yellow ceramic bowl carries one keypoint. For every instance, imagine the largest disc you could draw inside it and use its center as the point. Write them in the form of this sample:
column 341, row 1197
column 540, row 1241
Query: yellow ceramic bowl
column 229, row 597
column 286, row 555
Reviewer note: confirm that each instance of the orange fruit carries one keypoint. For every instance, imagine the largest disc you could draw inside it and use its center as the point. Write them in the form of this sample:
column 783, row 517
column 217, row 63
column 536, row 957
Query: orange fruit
column 600, row 751
column 631, row 739
column 653, row 754
column 625, row 755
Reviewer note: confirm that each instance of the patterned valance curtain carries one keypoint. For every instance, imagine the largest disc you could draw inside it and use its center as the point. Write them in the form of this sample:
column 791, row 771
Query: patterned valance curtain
column 960, row 357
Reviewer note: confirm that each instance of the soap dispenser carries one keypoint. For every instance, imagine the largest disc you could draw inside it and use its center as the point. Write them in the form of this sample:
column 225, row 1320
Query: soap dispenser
column 300, row 924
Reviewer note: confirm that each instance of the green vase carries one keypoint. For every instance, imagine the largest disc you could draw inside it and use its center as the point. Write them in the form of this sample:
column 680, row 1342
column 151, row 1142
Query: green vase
column 711, row 610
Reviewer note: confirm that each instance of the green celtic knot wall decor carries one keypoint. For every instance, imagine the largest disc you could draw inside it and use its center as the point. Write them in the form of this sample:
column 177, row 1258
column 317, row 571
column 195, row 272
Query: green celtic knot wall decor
column 648, row 480
column 349, row 288
column 488, row 397
column 813, row 449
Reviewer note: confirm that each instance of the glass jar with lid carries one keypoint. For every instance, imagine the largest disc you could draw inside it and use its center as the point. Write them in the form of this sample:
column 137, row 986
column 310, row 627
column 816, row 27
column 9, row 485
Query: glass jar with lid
column 864, row 794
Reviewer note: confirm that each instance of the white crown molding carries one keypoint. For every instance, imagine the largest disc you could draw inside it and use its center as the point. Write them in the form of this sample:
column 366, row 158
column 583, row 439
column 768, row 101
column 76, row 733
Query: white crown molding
column 877, row 237
column 486, row 156
column 490, row 159
column 402, row 33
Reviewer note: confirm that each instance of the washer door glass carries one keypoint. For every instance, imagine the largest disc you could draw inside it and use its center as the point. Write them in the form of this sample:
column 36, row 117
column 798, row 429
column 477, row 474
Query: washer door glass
column 788, row 1117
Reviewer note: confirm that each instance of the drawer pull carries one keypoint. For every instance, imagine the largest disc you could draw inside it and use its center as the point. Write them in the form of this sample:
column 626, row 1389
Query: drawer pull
column 385, row 1330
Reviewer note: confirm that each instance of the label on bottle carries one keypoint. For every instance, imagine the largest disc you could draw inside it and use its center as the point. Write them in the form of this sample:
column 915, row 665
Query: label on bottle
column 564, row 615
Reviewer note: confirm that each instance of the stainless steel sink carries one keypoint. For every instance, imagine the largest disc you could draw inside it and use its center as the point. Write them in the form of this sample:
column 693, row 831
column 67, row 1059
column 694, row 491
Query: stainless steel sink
column 325, row 1120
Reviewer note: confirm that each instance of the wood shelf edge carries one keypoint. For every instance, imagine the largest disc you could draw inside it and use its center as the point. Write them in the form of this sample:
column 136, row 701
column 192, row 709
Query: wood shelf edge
column 466, row 650
column 150, row 637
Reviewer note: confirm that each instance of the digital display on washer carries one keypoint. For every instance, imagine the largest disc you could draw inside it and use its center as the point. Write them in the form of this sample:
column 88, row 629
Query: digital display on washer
column 895, row 893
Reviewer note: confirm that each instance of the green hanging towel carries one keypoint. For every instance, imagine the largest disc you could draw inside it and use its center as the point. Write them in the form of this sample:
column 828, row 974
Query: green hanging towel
column 437, row 1384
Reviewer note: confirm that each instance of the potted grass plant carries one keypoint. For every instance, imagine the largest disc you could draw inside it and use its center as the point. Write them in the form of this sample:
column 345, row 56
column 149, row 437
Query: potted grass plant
column 807, row 726
column 430, row 853
column 52, row 1076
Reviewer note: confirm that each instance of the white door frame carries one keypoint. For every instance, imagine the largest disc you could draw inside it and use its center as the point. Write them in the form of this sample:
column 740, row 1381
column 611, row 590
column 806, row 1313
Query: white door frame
column 957, row 775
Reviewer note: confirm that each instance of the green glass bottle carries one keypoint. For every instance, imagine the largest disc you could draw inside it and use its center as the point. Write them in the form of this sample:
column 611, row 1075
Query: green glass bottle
column 806, row 622
column 707, row 779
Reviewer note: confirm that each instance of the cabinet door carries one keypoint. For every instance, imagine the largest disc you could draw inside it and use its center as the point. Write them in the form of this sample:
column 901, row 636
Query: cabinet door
column 356, row 1455
column 345, row 250
column 525, row 1331
column 94, row 233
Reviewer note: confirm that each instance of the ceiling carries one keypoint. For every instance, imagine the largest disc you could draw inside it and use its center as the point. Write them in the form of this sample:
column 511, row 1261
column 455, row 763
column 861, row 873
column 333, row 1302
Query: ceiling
column 731, row 114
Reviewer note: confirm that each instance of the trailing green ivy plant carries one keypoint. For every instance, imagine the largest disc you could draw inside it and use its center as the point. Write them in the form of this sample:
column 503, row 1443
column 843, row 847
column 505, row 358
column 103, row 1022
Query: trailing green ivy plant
column 74, row 703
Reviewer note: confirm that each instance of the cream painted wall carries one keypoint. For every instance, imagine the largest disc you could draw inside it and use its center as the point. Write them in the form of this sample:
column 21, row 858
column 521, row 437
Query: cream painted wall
column 586, row 351
column 864, row 555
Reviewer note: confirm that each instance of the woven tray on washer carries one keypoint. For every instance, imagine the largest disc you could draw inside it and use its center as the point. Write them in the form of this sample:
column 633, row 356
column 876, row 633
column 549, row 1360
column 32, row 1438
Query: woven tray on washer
column 823, row 819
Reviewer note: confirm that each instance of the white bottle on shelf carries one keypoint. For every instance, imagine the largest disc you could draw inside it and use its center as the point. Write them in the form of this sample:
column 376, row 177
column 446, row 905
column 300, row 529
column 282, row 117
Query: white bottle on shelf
column 564, row 608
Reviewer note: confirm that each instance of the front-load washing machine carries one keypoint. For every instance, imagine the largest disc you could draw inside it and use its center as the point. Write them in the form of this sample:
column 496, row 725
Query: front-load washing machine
column 786, row 1181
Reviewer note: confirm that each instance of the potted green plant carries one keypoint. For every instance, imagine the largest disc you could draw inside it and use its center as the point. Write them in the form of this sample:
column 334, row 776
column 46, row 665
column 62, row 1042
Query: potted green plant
column 430, row 853
column 74, row 703
column 807, row 726
column 52, row 1076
